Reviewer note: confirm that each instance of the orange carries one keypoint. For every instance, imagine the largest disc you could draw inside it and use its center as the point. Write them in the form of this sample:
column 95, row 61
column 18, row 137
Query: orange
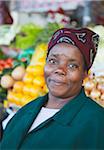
column 10, row 96
column 42, row 93
column 40, row 52
column 34, row 91
column 28, row 78
column 26, row 89
column 18, row 86
column 17, row 98
column 26, row 99
column 36, row 70
column 14, row 98
column 45, row 88
column 30, row 69
column 39, row 80
column 41, row 61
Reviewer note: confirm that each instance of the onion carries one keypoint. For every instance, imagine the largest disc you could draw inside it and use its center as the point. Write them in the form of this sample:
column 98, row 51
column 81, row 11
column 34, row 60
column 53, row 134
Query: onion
column 7, row 81
column 102, row 97
column 101, row 101
column 100, row 79
column 101, row 87
column 95, row 94
column 18, row 73
column 87, row 92
column 89, row 85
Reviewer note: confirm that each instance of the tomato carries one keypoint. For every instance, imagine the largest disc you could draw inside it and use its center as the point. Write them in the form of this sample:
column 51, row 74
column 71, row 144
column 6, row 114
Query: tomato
column 7, row 65
column 9, row 60
column 2, row 62
column 1, row 67
column 23, row 59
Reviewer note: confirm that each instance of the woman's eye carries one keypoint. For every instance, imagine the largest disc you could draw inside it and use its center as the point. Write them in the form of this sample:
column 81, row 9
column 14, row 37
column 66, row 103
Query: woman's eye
column 72, row 66
column 51, row 61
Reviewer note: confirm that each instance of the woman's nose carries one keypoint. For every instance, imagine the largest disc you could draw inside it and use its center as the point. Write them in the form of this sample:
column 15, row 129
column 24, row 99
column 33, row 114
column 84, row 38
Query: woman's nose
column 61, row 70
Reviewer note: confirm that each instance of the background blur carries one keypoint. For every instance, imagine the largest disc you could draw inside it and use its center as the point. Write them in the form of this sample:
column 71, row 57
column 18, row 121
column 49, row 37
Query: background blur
column 83, row 12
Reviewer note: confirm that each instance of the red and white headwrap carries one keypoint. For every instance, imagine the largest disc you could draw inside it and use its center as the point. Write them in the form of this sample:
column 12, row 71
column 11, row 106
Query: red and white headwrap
column 85, row 39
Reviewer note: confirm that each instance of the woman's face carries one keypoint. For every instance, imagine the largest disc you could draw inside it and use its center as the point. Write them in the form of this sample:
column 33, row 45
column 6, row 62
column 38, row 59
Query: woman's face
column 64, row 70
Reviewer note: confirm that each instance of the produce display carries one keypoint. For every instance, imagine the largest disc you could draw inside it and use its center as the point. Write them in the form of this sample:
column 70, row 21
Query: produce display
column 94, row 88
column 46, row 33
column 26, row 37
column 18, row 73
column 32, row 84
column 94, row 83
column 7, row 81
column 25, row 81
column 6, row 63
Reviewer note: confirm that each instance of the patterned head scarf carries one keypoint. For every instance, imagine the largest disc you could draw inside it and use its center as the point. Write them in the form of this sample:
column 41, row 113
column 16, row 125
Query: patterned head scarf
column 85, row 39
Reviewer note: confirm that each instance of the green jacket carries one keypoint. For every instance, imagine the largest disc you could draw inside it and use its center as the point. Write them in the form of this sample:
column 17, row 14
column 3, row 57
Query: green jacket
column 78, row 125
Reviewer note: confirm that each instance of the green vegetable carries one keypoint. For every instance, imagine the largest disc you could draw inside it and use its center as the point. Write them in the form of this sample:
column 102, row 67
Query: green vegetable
column 44, row 36
column 27, row 36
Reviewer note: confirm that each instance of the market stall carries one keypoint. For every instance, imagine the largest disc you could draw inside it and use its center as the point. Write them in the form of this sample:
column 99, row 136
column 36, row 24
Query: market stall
column 23, row 51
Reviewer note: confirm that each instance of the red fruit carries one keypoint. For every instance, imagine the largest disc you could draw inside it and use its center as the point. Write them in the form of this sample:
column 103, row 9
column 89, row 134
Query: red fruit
column 1, row 68
column 7, row 66
column 2, row 62
column 23, row 59
column 9, row 60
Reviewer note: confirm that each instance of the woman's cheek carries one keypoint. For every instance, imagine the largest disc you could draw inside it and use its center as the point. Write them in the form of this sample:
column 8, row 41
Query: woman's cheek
column 76, row 77
column 47, row 70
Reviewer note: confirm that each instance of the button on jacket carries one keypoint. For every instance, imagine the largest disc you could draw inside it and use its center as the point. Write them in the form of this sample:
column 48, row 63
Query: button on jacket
column 78, row 125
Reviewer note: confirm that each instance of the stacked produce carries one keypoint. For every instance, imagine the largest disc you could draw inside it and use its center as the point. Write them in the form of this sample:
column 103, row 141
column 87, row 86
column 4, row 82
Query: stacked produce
column 26, row 37
column 32, row 84
column 8, row 77
column 6, row 63
column 24, row 82
column 94, row 88
column 94, row 83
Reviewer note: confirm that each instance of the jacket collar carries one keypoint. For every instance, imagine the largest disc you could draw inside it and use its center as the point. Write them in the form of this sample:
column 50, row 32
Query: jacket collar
column 71, row 109
column 37, row 104
column 66, row 113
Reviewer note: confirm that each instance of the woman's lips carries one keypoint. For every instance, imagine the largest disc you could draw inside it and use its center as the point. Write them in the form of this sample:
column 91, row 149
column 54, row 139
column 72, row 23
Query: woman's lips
column 57, row 82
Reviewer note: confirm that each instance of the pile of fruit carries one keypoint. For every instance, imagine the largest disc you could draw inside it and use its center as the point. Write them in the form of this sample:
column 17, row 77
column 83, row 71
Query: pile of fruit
column 8, row 77
column 94, row 83
column 32, row 84
column 94, row 88
column 7, row 81
column 6, row 63
column 21, row 86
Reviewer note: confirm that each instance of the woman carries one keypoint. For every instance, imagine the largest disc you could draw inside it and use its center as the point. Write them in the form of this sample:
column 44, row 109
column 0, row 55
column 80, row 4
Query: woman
column 65, row 118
